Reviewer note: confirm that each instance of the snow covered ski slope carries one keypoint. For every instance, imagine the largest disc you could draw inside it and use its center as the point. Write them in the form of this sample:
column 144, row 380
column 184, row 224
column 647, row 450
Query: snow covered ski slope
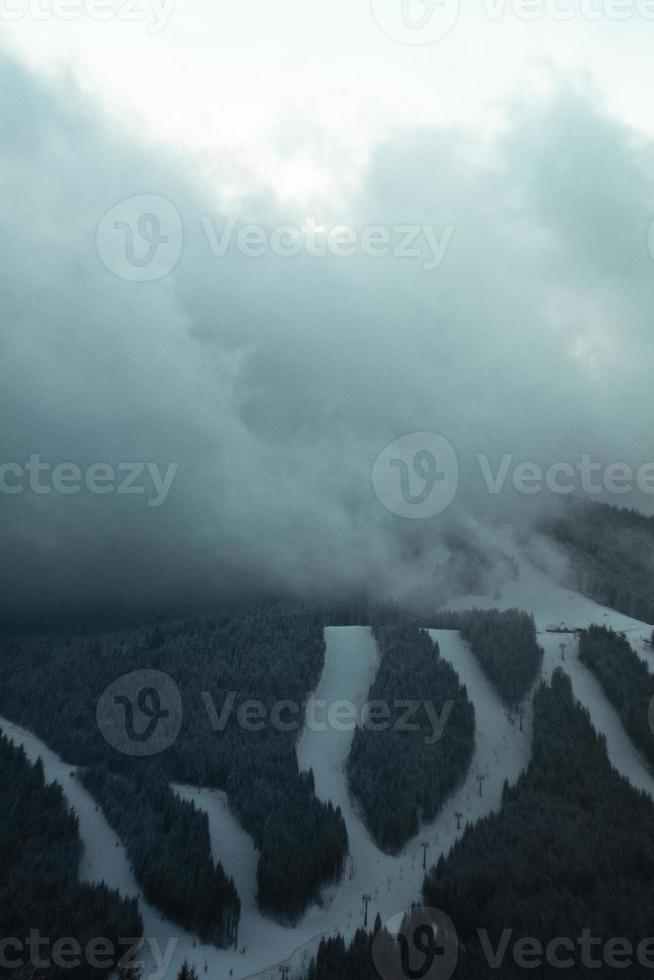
column 623, row 754
column 501, row 752
column 104, row 859
column 554, row 607
column 394, row 882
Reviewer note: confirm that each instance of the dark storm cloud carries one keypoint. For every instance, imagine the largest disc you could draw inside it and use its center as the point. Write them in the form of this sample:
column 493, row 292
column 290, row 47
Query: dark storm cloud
column 274, row 382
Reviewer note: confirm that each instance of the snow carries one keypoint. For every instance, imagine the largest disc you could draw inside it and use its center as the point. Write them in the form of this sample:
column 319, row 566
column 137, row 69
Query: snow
column 554, row 606
column 501, row 752
column 104, row 858
column 623, row 754
column 394, row 882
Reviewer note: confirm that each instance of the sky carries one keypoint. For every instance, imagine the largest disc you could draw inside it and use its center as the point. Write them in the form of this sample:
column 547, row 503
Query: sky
column 268, row 255
column 295, row 95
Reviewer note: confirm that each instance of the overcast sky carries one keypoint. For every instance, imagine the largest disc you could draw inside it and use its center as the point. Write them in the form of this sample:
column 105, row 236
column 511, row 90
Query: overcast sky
column 295, row 94
column 519, row 322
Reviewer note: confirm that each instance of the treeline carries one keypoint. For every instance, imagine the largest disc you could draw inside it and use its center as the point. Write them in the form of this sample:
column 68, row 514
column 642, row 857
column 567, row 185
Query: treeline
column 336, row 961
column 570, row 855
column 402, row 777
column 572, row 849
column 504, row 643
column 39, row 889
column 270, row 653
column 611, row 554
column 169, row 847
column 625, row 679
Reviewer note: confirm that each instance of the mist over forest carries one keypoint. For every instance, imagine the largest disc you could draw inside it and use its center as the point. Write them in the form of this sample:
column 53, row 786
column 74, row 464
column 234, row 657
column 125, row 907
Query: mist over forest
column 266, row 387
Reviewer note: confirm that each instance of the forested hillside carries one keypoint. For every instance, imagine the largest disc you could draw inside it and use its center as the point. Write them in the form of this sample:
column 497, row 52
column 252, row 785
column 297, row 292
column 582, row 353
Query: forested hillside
column 626, row 681
column 39, row 889
column 611, row 551
column 505, row 645
column 272, row 653
column 571, row 853
column 159, row 829
column 402, row 777
column 572, row 849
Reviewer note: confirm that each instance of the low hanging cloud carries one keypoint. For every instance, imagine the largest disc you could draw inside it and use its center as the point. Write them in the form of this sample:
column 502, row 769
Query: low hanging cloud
column 498, row 294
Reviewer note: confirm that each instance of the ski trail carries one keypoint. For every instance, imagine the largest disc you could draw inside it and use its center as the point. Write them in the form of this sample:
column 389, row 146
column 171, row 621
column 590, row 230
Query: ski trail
column 262, row 942
column 104, row 859
column 351, row 664
column 623, row 754
column 233, row 847
column 393, row 882
column 502, row 751
column 555, row 607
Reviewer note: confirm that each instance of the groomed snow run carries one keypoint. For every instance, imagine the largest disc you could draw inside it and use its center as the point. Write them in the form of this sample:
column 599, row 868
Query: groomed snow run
column 393, row 882
column 553, row 606
column 166, row 944
column 623, row 754
column 502, row 751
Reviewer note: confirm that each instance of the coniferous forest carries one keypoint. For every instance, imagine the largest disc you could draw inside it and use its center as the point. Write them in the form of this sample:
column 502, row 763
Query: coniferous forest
column 539, row 867
column 39, row 889
column 505, row 645
column 610, row 552
column 625, row 679
column 571, row 849
column 273, row 653
column 158, row 827
column 570, row 855
column 402, row 777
